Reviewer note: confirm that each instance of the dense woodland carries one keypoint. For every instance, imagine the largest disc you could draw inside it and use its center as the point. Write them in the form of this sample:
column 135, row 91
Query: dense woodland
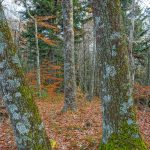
column 75, row 75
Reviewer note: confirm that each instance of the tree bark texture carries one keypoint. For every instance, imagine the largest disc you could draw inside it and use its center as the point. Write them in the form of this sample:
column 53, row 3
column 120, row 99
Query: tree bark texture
column 120, row 130
column 69, row 62
column 28, row 128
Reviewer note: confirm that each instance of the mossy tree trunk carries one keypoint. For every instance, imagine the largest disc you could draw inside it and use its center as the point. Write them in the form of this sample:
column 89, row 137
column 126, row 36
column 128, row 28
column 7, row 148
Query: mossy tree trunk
column 69, row 63
column 120, row 130
column 28, row 128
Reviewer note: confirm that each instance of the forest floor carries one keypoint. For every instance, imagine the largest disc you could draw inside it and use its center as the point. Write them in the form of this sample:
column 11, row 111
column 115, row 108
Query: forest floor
column 81, row 130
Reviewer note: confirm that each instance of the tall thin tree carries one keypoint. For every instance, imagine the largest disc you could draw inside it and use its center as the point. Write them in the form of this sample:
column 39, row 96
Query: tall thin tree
column 38, row 71
column 131, row 40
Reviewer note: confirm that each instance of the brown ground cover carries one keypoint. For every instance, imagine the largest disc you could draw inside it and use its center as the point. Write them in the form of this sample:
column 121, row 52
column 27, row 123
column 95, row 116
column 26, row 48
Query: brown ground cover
column 81, row 130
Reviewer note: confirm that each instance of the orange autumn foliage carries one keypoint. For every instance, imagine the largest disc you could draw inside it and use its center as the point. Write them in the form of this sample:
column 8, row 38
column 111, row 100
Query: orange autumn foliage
column 48, row 26
column 49, row 80
column 41, row 21
column 43, row 18
column 46, row 40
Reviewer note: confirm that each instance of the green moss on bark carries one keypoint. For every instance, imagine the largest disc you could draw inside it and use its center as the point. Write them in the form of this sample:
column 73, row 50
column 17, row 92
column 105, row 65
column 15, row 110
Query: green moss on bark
column 127, row 138
column 28, row 127
column 120, row 131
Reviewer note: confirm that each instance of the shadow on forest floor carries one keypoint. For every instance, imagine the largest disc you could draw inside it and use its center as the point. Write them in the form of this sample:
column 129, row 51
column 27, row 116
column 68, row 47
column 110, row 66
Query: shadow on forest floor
column 81, row 130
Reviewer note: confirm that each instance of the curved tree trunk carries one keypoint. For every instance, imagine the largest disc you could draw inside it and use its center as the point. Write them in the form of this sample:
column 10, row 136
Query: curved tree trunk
column 120, row 130
column 69, row 64
column 28, row 128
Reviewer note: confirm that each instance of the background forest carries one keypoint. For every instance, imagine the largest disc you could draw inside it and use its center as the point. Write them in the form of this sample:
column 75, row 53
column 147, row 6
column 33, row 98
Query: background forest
column 75, row 75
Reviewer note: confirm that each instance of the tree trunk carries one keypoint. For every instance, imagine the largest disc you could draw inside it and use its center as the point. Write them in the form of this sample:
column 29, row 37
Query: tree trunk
column 69, row 64
column 81, row 65
column 120, row 130
column 85, row 85
column 38, row 72
column 97, row 32
column 148, row 69
column 131, row 39
column 93, row 64
column 28, row 128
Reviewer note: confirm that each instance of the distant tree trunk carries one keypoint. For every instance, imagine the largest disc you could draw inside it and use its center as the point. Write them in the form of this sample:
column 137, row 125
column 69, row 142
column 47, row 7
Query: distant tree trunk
column 28, row 128
column 38, row 72
column 148, row 69
column 81, row 65
column 69, row 62
column 120, row 130
column 131, row 39
column 78, row 48
column 85, row 88
column 97, row 32
column 93, row 66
